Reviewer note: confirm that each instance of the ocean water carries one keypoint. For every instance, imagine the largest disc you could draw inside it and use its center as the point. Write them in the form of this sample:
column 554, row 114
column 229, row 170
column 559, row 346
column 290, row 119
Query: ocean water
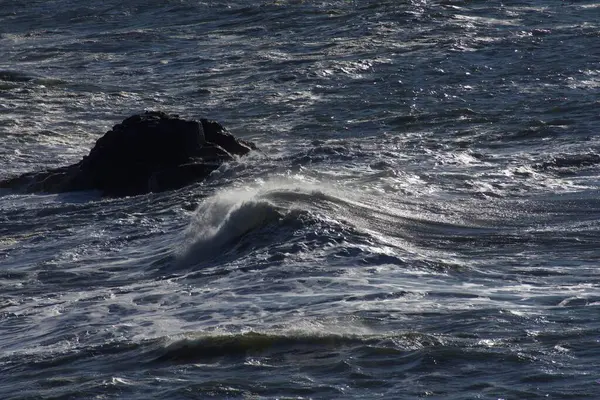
column 422, row 221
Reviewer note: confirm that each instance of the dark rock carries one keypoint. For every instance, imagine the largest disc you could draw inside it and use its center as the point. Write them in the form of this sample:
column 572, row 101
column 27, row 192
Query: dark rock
column 151, row 152
column 215, row 133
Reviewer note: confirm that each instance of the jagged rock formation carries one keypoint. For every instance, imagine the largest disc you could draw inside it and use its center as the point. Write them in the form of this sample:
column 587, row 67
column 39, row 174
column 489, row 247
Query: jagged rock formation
column 150, row 152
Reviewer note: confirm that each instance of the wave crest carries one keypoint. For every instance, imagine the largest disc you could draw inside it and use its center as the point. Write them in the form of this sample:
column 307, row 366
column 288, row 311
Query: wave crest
column 192, row 349
column 222, row 220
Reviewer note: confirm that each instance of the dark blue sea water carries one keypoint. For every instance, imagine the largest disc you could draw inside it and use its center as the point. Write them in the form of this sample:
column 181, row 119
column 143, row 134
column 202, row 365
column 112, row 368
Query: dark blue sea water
column 423, row 220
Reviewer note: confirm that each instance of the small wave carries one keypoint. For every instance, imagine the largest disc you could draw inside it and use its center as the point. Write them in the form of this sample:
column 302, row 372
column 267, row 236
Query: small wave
column 10, row 79
column 569, row 161
column 206, row 347
column 15, row 76
column 455, row 116
column 322, row 152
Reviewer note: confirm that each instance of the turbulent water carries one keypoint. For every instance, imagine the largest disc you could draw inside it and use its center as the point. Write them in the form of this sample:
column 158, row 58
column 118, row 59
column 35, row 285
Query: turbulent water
column 422, row 221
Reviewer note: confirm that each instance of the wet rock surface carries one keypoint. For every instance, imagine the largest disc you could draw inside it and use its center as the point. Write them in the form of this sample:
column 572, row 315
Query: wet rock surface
column 150, row 152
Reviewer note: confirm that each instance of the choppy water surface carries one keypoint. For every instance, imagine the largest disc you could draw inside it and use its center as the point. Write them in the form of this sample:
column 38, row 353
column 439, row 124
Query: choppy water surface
column 423, row 220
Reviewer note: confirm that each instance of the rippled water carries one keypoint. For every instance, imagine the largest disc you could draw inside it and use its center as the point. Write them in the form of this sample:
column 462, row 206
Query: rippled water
column 422, row 220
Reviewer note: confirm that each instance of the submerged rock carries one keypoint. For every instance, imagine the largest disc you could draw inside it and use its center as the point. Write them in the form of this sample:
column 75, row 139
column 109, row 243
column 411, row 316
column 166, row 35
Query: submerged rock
column 150, row 152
